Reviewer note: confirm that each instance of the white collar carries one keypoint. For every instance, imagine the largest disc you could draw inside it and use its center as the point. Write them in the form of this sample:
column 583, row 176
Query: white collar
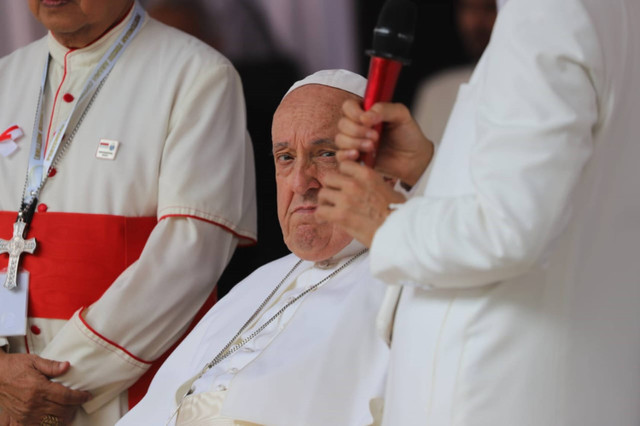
column 90, row 54
column 351, row 249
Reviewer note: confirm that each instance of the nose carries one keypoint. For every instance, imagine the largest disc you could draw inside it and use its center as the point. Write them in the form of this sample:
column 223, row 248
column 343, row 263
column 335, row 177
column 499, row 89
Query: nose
column 305, row 177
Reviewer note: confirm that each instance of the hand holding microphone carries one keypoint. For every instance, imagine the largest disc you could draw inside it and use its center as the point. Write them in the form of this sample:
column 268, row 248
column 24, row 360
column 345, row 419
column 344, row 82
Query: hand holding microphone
column 392, row 40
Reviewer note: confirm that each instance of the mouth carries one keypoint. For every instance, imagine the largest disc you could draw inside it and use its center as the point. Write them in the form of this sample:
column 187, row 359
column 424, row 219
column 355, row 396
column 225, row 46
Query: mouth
column 53, row 3
column 305, row 209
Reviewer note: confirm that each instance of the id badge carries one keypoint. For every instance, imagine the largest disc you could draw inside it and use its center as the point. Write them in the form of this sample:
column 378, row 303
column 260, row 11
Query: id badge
column 13, row 306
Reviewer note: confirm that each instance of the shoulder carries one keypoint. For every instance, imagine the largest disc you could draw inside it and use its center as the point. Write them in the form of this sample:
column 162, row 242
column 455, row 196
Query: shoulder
column 543, row 17
column 168, row 43
column 162, row 57
column 26, row 57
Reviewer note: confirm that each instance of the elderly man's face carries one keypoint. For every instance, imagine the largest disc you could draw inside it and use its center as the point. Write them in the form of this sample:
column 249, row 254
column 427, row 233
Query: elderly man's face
column 76, row 23
column 303, row 132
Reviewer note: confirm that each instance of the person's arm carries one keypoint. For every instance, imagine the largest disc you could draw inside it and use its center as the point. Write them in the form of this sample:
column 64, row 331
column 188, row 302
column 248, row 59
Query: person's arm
column 533, row 119
column 206, row 203
column 111, row 343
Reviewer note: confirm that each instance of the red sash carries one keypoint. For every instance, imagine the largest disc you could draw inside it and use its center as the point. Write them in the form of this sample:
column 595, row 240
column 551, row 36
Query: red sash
column 77, row 258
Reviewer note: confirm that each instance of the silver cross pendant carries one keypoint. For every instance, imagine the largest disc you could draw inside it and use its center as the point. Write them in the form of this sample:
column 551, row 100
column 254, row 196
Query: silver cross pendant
column 15, row 247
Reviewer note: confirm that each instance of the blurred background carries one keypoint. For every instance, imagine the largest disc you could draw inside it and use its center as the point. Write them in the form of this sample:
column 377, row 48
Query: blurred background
column 273, row 43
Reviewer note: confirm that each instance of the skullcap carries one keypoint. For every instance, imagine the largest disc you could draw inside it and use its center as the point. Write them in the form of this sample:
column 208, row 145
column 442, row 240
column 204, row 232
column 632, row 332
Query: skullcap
column 339, row 79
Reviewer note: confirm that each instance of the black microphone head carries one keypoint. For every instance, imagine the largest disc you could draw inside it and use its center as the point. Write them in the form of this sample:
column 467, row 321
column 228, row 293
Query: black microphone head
column 393, row 35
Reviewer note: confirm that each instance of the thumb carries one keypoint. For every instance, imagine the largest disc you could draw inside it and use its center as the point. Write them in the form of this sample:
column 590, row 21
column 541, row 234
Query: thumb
column 51, row 368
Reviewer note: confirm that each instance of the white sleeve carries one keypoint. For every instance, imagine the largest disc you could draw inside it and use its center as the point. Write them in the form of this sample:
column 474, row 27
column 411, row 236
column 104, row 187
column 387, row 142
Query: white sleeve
column 532, row 109
column 145, row 310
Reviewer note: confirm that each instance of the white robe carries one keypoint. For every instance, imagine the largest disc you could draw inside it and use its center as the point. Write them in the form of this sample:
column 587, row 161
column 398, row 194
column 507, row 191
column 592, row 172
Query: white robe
column 185, row 158
column 322, row 363
column 519, row 262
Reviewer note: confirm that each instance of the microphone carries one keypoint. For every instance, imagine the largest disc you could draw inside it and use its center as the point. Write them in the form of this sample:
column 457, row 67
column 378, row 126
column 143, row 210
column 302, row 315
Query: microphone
column 392, row 40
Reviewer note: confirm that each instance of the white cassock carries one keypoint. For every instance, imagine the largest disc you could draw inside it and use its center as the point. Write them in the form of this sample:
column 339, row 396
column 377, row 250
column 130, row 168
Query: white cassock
column 135, row 242
column 320, row 363
column 520, row 261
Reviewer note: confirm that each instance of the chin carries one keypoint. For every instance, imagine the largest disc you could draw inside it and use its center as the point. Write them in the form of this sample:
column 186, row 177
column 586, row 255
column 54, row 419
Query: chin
column 312, row 247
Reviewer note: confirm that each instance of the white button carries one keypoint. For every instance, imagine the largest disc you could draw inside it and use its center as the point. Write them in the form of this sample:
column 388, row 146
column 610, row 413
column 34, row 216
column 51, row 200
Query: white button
column 290, row 299
column 221, row 388
column 233, row 370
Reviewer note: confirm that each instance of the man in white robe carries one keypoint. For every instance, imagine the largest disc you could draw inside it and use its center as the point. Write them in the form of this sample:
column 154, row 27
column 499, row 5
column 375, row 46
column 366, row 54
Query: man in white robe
column 321, row 361
column 519, row 261
column 138, row 217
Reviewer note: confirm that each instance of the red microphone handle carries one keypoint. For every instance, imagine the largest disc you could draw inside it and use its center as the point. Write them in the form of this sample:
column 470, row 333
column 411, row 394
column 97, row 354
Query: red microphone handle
column 383, row 75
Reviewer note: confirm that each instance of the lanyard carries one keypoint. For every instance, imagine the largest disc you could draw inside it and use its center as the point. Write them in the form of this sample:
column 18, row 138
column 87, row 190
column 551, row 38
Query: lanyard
column 41, row 162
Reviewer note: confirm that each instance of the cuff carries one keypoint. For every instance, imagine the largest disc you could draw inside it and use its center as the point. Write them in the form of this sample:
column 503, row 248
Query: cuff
column 97, row 364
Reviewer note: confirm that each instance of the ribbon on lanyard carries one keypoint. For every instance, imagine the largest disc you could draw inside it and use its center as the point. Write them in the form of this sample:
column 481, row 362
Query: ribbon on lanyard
column 40, row 161
column 8, row 140
column 12, row 133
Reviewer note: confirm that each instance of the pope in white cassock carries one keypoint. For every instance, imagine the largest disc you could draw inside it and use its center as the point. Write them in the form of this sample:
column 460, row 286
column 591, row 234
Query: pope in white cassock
column 519, row 256
column 128, row 139
column 295, row 343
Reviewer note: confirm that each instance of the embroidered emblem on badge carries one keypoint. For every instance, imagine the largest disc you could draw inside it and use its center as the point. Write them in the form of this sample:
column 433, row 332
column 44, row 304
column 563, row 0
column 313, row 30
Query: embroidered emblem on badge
column 107, row 149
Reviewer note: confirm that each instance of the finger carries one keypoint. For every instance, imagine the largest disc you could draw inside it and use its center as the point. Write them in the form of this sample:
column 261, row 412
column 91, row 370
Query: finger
column 356, row 128
column 64, row 415
column 352, row 109
column 346, row 142
column 392, row 113
column 62, row 395
column 32, row 411
column 335, row 214
column 323, row 213
column 357, row 171
column 49, row 367
column 332, row 181
column 327, row 196
column 347, row 155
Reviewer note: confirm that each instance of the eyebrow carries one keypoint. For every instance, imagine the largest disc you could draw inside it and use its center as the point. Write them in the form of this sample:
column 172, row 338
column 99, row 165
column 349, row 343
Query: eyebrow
column 329, row 142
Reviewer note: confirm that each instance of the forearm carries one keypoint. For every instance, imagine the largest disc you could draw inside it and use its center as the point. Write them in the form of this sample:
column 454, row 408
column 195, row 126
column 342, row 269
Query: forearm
column 145, row 310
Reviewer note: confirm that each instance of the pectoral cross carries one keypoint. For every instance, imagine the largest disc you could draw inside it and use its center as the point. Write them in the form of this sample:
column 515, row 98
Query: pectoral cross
column 15, row 247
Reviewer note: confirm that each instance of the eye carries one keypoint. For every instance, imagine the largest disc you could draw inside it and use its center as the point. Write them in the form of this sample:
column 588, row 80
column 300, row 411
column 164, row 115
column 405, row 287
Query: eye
column 327, row 154
column 283, row 157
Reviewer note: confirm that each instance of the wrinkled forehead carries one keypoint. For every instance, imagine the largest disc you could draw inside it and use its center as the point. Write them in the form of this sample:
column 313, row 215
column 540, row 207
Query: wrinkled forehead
column 311, row 111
